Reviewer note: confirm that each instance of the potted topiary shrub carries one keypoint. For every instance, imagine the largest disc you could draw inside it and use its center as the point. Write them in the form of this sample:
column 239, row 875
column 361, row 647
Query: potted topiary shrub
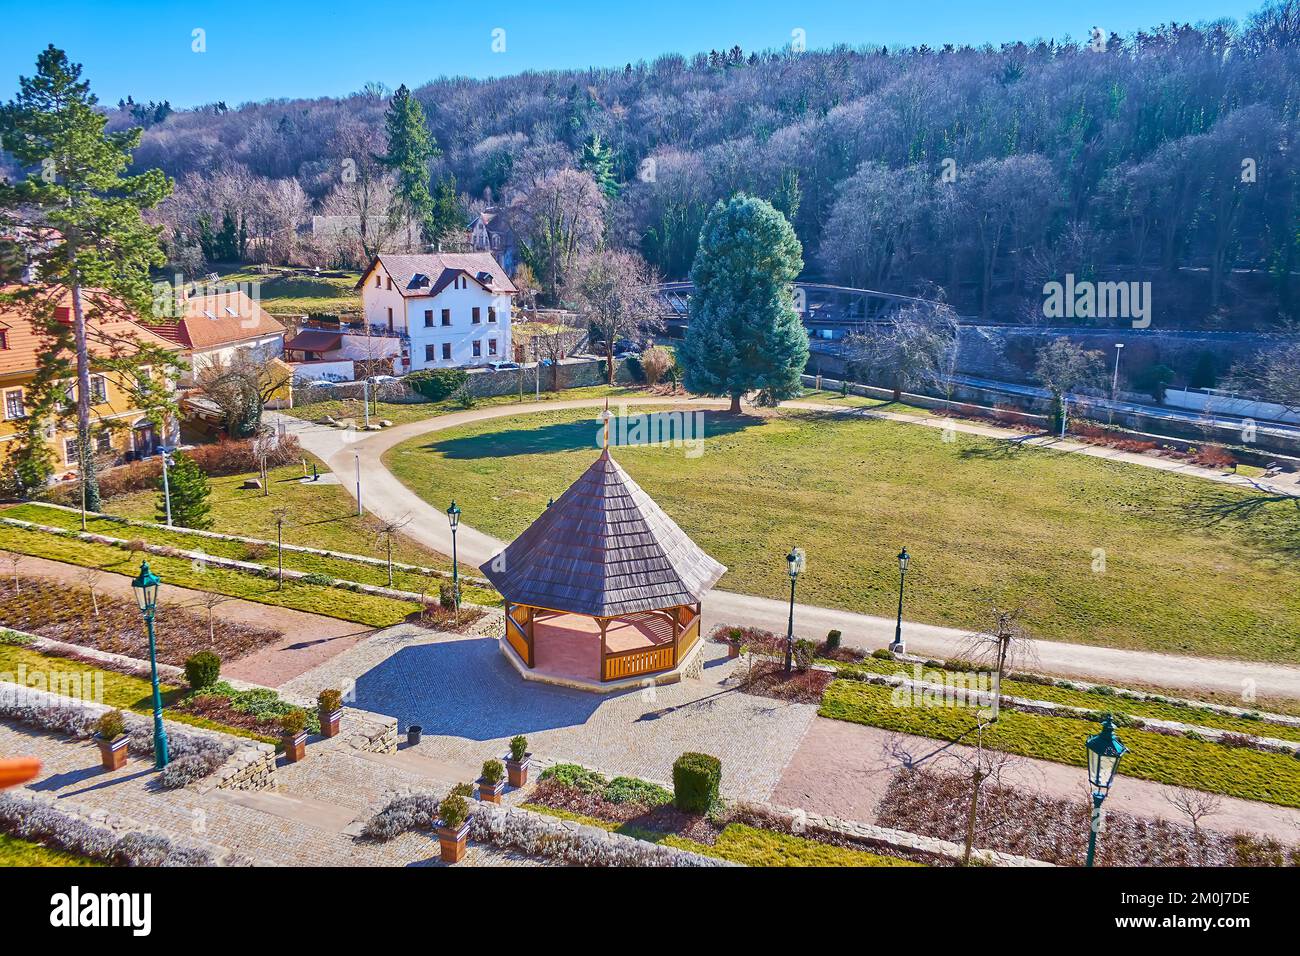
column 493, row 781
column 518, row 761
column 293, row 736
column 110, row 734
column 453, row 827
column 330, row 703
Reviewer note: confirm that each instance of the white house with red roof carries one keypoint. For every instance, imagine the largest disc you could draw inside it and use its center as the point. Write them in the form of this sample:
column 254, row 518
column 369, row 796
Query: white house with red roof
column 453, row 309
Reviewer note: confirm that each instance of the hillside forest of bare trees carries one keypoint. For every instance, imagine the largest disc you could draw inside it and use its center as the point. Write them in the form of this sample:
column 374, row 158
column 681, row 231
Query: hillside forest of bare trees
column 1167, row 156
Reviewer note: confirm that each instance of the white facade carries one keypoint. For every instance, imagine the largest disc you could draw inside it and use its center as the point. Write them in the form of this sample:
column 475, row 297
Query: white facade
column 464, row 324
column 265, row 346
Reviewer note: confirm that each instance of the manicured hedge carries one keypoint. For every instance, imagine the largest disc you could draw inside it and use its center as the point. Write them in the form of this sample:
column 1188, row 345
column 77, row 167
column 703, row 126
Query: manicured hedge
column 436, row 384
column 695, row 782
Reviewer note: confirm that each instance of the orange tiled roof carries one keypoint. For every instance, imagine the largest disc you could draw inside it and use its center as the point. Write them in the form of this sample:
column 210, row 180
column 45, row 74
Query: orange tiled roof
column 23, row 342
column 215, row 320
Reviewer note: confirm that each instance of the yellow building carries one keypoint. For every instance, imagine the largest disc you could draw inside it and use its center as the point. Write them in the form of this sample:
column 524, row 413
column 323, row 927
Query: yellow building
column 121, row 431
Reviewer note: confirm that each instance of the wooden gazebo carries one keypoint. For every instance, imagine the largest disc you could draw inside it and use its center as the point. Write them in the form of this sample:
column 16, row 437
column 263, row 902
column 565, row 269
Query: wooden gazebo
column 607, row 559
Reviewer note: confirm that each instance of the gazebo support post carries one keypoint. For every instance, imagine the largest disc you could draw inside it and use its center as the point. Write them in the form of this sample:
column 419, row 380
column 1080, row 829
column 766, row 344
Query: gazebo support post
column 604, row 623
column 677, row 636
column 532, row 644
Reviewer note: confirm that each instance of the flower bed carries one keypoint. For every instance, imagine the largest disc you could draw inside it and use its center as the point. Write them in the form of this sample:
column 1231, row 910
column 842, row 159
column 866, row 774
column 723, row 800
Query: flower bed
column 936, row 804
column 64, row 613
column 643, row 810
column 257, row 711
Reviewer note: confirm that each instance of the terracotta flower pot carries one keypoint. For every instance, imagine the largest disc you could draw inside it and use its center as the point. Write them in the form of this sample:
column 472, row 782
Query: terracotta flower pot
column 329, row 722
column 733, row 650
column 295, row 746
column 112, row 753
column 490, row 792
column 517, row 771
column 452, row 842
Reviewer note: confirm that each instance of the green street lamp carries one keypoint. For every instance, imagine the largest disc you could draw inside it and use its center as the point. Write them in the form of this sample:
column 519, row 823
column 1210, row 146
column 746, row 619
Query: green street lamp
column 1104, row 753
column 903, row 559
column 796, row 562
column 453, row 518
column 146, row 595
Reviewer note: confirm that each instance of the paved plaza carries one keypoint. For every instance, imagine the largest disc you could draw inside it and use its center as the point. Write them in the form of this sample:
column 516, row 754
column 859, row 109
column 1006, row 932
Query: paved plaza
column 470, row 702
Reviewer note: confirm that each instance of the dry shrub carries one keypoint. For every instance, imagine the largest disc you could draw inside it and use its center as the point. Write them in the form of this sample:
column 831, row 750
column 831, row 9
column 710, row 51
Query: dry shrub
column 936, row 804
column 225, row 457
column 1212, row 456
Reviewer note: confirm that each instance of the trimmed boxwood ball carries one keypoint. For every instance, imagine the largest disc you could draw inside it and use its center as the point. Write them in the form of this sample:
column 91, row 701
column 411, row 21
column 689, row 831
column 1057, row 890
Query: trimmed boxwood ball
column 695, row 782
column 833, row 640
column 202, row 670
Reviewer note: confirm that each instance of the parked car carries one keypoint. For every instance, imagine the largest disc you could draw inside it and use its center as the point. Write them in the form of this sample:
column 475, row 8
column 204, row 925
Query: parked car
column 502, row 366
column 320, row 383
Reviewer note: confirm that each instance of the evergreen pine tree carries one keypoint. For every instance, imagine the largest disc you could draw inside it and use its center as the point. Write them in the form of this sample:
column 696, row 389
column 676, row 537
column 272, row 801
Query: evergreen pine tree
column 744, row 333
column 598, row 160
column 410, row 149
column 189, row 494
column 75, row 189
column 448, row 217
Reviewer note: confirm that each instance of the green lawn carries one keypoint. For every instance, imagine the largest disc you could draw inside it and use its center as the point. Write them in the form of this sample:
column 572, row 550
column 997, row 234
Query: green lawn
column 402, row 413
column 318, row 599
column 1233, row 771
column 337, row 533
column 1115, row 703
column 64, row 675
column 984, row 520
column 296, row 295
column 16, row 852
column 746, row 845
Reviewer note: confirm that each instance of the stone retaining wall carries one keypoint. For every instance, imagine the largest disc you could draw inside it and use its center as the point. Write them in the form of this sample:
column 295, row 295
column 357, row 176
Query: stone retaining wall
column 911, row 843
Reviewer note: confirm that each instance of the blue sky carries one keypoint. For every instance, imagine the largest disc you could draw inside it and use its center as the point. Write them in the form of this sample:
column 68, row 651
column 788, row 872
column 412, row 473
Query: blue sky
column 283, row 48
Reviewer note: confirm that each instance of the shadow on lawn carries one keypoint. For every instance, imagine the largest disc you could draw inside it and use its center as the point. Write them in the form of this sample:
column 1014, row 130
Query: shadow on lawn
column 584, row 434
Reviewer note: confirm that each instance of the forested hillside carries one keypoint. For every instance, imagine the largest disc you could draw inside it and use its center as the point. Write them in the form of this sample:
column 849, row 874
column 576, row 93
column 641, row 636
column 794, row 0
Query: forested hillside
column 1167, row 156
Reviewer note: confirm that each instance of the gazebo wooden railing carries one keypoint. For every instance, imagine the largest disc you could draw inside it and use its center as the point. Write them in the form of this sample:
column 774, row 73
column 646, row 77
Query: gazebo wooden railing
column 685, row 622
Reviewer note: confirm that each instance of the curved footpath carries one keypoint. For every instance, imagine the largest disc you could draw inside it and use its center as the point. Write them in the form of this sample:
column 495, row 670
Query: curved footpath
column 385, row 496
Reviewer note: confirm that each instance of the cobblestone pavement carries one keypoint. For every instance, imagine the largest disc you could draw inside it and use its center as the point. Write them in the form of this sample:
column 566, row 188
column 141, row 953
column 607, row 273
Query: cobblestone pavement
column 307, row 820
column 470, row 702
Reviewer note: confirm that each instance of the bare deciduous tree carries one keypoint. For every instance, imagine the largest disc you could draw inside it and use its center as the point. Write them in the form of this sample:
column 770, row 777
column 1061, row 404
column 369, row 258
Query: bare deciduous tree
column 385, row 529
column 916, row 348
column 14, row 559
column 614, row 291
column 90, row 578
column 1005, row 645
column 1195, row 805
column 241, row 387
column 210, row 601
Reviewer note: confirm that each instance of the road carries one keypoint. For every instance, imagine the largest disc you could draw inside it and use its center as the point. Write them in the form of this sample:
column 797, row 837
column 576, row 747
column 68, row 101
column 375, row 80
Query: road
column 384, row 495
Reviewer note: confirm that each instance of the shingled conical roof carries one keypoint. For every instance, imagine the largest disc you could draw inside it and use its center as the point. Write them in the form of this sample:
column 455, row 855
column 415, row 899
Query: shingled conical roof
column 603, row 549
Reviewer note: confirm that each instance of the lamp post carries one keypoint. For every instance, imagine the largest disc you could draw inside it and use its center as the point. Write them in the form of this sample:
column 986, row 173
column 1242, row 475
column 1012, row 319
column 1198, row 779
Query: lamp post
column 903, row 559
column 1114, row 382
column 165, row 454
column 796, row 562
column 358, row 461
column 453, row 518
column 146, row 595
column 1104, row 752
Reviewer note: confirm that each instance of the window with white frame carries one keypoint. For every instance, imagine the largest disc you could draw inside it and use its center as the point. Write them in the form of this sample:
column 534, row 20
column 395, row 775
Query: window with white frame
column 14, row 407
column 98, row 390
column 492, row 346
column 478, row 348
column 70, row 451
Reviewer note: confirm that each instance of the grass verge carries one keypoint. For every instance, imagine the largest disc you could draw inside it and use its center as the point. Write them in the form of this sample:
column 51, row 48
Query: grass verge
column 746, row 845
column 16, row 852
column 1179, row 761
column 367, row 609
